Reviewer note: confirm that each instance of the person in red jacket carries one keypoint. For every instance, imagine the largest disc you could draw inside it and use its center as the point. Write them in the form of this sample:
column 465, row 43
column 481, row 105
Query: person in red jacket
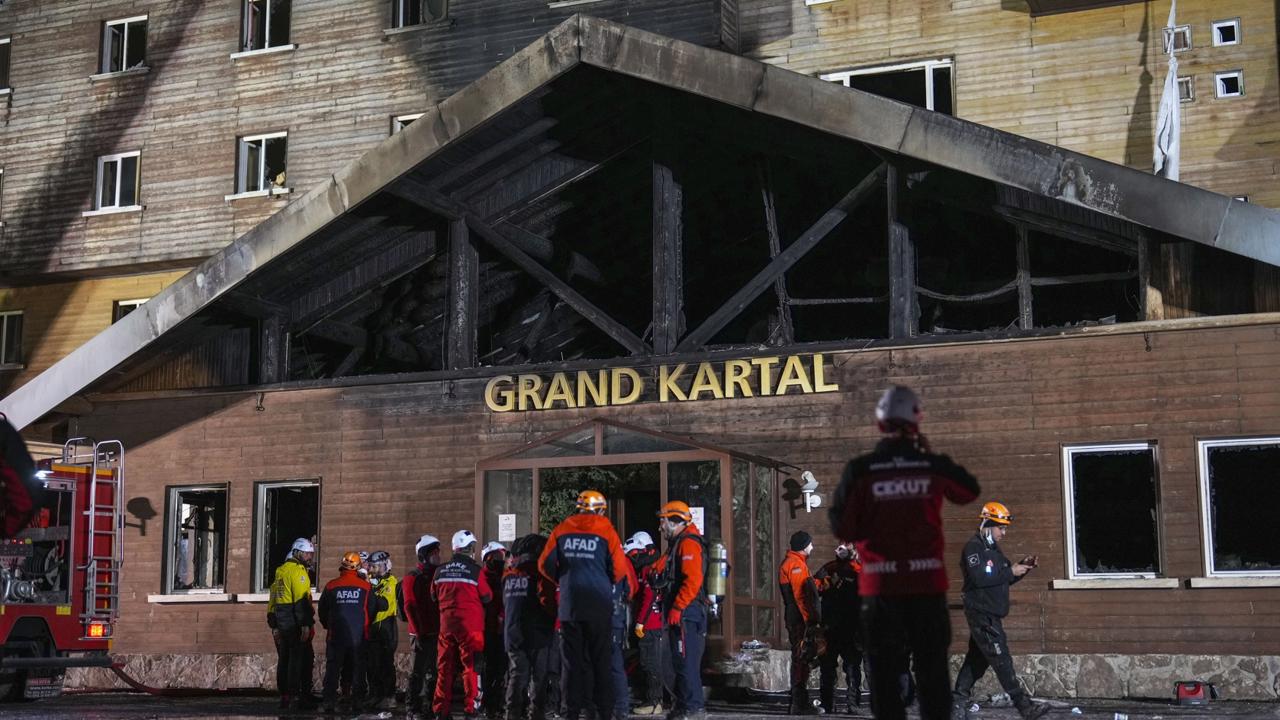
column 347, row 606
column 419, row 609
column 889, row 504
column 803, row 616
column 584, row 558
column 647, row 611
column 494, row 559
column 684, row 605
column 461, row 591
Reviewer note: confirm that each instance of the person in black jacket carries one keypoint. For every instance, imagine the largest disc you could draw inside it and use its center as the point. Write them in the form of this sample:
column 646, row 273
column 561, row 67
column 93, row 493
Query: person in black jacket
column 529, row 626
column 987, row 577
column 840, row 605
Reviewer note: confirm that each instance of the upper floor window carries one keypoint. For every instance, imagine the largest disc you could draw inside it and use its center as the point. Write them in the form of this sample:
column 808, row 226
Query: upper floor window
column 400, row 122
column 260, row 162
column 1177, row 39
column 11, row 338
column 124, row 44
column 406, row 13
column 266, row 24
column 1112, row 505
column 1238, row 492
column 927, row 84
column 4, row 64
column 117, row 183
column 1229, row 84
column 1226, row 32
column 121, row 308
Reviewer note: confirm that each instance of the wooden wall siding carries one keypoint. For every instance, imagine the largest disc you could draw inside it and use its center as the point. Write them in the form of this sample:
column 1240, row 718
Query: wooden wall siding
column 59, row 317
column 399, row 460
column 335, row 95
column 1089, row 80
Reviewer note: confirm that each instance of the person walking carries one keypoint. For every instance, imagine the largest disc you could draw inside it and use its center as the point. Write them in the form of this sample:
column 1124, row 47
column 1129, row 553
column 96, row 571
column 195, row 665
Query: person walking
column 803, row 615
column 529, row 614
column 987, row 577
column 461, row 591
column 494, row 560
column 384, row 632
column 419, row 609
column 683, row 570
column 840, row 605
column 347, row 606
column 291, row 617
column 889, row 504
column 647, row 624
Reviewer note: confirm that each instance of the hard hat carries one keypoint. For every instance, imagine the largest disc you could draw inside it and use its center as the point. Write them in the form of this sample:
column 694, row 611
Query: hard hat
column 364, row 555
column 591, row 500
column 426, row 541
column 302, row 545
column 639, row 541
column 898, row 406
column 380, row 556
column 463, row 539
column 996, row 513
column 492, row 547
column 676, row 509
column 351, row 561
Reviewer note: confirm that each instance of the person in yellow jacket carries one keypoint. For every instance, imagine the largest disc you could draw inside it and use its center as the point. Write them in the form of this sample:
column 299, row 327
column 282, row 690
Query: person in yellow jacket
column 291, row 617
column 383, row 633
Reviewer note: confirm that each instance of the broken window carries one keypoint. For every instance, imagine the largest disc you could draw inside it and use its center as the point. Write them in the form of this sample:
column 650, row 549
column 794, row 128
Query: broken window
column 195, row 536
column 11, row 338
column 1177, row 39
column 1113, row 511
column 121, row 308
column 400, row 122
column 285, row 511
column 406, row 13
column 117, row 181
column 1238, row 491
column 260, row 162
column 4, row 63
column 266, row 24
column 124, row 44
column 927, row 84
column 1186, row 89
column 1229, row 84
column 1226, row 32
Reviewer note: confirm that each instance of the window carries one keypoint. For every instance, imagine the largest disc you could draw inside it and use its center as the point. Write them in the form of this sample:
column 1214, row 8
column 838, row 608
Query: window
column 120, row 308
column 11, row 339
column 283, row 512
column 266, row 24
column 1186, row 89
column 927, row 84
column 4, row 64
column 1226, row 32
column 260, row 162
column 124, row 44
column 1238, row 495
column 117, row 181
column 400, row 122
column 196, row 539
column 1112, row 511
column 1178, row 38
column 1241, row 198
column 1229, row 84
column 817, row 2
column 407, row 13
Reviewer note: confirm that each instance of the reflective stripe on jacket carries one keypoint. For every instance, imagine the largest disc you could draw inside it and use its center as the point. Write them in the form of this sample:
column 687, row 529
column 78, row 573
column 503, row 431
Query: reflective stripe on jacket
column 799, row 590
column 289, row 604
column 461, row 591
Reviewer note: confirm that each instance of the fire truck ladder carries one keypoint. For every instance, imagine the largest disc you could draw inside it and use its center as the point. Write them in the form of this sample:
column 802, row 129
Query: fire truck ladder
column 105, row 541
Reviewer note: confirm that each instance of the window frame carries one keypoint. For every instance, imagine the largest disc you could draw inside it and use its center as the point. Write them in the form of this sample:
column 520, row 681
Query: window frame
column 260, row 490
column 1069, row 513
column 104, row 62
column 242, row 143
column 117, row 304
column 928, row 66
column 1190, row 81
column 1230, row 22
column 118, row 159
column 1217, row 83
column 6, row 71
column 246, row 35
column 1206, row 519
column 1169, row 39
column 169, row 560
column 400, row 122
column 4, row 322
column 817, row 2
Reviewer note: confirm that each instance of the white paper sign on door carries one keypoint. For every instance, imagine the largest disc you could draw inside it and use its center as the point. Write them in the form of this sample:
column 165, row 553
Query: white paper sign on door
column 507, row 528
column 698, row 515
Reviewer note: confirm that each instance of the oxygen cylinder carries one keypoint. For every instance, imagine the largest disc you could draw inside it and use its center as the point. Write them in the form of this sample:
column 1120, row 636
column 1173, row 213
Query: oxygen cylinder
column 718, row 570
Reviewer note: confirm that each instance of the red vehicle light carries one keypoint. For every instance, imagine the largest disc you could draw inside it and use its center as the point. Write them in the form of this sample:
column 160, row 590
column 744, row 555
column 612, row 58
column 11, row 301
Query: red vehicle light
column 98, row 630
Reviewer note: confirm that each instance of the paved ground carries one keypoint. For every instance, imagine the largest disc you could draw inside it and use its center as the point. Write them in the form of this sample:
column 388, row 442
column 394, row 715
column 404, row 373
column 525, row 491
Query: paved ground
column 129, row 706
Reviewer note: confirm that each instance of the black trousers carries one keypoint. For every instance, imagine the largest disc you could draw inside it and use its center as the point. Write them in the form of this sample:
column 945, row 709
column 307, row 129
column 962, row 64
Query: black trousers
column 422, row 679
column 381, row 658
column 801, row 663
column 527, row 682
column 658, row 674
column 337, row 658
column 843, row 646
column 294, row 664
column 555, row 661
column 495, row 671
column 586, row 654
column 988, row 647
column 908, row 633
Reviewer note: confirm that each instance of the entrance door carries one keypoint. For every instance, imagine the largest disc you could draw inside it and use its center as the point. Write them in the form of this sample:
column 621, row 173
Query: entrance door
column 631, row 489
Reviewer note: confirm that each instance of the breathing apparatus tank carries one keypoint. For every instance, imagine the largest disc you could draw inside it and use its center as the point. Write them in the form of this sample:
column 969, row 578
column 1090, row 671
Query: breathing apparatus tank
column 717, row 580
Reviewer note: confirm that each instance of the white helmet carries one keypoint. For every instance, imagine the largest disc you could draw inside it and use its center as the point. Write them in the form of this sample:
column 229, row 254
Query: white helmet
column 639, row 541
column 898, row 405
column 463, row 538
column 302, row 545
column 424, row 541
column 492, row 547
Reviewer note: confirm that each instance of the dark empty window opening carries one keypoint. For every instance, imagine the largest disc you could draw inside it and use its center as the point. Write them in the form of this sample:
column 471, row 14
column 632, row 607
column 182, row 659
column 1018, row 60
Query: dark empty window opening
column 1239, row 490
column 11, row 339
column 926, row 84
column 1229, row 84
column 407, row 13
column 1226, row 32
column 5, row 44
column 1112, row 500
column 266, row 24
column 124, row 45
column 285, row 512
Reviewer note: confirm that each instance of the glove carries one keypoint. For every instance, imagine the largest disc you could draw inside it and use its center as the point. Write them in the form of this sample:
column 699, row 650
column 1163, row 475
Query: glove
column 639, row 630
column 673, row 617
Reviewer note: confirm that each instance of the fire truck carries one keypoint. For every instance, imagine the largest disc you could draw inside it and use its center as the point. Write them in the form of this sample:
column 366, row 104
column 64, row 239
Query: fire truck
column 60, row 575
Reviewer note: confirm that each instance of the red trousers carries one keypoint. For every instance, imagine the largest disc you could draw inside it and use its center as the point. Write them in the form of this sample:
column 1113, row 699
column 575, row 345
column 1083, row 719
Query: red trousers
column 458, row 647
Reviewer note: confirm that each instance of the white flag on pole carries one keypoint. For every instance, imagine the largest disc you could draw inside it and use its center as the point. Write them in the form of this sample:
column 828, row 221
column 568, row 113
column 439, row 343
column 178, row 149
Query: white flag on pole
column 1169, row 119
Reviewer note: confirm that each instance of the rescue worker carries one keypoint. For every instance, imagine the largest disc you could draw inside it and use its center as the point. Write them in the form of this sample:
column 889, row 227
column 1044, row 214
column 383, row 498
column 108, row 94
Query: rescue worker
column 584, row 558
column 529, row 615
column 647, row 611
column 291, row 617
column 839, row 589
column 419, row 609
column 889, row 504
column 494, row 559
column 684, row 602
column 384, row 633
column 347, row 606
column 987, row 577
column 803, row 616
column 348, row 676
column 619, row 620
column 461, row 591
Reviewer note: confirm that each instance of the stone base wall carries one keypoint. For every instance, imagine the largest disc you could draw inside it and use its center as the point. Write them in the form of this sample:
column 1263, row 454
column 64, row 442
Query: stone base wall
column 220, row 671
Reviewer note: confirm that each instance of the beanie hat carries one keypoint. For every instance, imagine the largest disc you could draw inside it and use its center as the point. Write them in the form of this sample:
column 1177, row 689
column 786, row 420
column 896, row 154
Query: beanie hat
column 801, row 540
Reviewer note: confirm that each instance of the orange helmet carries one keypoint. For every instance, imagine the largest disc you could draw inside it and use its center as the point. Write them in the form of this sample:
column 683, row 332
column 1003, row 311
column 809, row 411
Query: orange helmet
column 351, row 561
column 676, row 509
column 591, row 501
column 996, row 513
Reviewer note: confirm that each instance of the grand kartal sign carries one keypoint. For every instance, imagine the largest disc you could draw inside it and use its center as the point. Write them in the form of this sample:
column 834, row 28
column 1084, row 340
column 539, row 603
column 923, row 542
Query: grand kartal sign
column 757, row 377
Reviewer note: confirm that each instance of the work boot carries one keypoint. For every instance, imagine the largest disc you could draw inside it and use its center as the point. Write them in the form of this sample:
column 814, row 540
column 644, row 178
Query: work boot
column 800, row 704
column 1028, row 709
